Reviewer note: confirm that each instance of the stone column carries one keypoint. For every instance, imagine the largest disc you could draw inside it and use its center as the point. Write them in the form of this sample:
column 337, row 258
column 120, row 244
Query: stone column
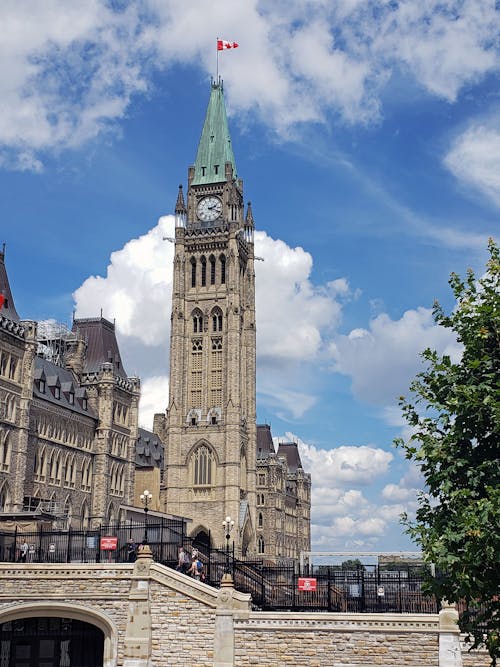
column 137, row 649
column 229, row 604
column 450, row 654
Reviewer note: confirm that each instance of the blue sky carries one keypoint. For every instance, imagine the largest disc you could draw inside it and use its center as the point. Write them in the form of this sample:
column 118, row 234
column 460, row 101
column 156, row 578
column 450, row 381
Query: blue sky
column 368, row 138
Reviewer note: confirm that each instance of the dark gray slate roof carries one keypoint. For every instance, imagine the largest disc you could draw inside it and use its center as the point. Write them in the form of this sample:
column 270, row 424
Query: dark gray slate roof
column 8, row 309
column 265, row 445
column 148, row 450
column 102, row 345
column 55, row 376
column 290, row 451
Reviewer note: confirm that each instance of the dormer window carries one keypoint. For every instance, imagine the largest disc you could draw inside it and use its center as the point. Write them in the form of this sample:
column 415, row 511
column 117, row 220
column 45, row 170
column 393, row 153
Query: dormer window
column 216, row 168
column 71, row 398
column 41, row 386
column 203, row 170
column 57, row 392
column 84, row 403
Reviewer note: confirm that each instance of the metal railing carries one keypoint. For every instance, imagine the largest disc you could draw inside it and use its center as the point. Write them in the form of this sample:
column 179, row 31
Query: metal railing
column 273, row 587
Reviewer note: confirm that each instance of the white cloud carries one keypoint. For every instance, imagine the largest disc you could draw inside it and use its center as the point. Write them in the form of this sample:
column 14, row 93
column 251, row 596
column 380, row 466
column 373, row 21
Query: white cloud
column 474, row 159
column 137, row 288
column 383, row 359
column 136, row 292
column 71, row 70
column 346, row 464
column 154, row 398
column 342, row 514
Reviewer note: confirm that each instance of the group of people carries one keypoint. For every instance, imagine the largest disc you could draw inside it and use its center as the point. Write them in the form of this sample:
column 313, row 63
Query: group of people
column 190, row 564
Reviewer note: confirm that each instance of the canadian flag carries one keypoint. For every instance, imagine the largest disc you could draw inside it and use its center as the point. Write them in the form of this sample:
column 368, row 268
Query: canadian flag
column 222, row 44
column 2, row 301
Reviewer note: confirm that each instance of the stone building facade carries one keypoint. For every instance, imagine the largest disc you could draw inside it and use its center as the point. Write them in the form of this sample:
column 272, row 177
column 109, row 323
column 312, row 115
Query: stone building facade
column 68, row 421
column 71, row 450
column 210, row 429
column 146, row 615
column 283, row 499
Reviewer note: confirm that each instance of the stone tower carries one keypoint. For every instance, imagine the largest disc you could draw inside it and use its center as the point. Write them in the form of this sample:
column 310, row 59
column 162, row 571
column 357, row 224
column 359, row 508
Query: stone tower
column 210, row 459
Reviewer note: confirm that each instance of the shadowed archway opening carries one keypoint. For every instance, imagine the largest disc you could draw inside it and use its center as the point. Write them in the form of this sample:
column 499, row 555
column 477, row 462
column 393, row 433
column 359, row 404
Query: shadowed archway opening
column 40, row 641
column 201, row 541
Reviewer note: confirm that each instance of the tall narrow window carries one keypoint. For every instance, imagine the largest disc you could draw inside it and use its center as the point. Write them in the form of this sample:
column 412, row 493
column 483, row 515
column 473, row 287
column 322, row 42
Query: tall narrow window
column 4, row 450
column 197, row 322
column 202, row 467
column 217, row 320
column 261, row 520
column 261, row 545
column 212, row 269
column 216, row 373
column 203, row 271
column 222, row 269
column 196, row 372
column 193, row 272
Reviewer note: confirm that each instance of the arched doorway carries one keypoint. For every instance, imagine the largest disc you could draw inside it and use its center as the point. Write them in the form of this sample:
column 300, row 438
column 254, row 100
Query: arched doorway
column 201, row 541
column 40, row 641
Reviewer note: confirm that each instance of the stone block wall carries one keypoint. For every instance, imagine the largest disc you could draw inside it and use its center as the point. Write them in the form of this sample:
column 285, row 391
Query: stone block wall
column 152, row 616
column 337, row 640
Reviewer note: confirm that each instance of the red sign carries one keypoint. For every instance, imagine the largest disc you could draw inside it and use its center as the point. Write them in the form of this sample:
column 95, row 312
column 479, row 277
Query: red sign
column 109, row 543
column 307, row 584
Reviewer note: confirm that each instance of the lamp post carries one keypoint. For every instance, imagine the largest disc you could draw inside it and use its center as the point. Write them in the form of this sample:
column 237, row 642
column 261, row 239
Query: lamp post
column 228, row 525
column 146, row 499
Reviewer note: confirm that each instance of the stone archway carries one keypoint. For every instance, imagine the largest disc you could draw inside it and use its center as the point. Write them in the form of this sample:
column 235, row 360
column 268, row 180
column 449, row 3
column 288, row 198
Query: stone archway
column 201, row 541
column 43, row 641
column 55, row 635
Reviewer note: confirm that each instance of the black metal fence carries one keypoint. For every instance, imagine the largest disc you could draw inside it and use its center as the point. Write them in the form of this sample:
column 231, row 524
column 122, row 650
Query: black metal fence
column 367, row 589
column 99, row 545
column 273, row 587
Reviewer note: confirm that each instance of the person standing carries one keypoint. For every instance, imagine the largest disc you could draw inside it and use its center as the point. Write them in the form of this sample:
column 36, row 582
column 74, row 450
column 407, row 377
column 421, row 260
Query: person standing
column 131, row 551
column 23, row 552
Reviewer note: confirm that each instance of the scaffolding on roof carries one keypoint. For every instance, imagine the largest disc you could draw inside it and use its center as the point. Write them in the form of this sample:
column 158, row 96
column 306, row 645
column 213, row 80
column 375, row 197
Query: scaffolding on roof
column 53, row 338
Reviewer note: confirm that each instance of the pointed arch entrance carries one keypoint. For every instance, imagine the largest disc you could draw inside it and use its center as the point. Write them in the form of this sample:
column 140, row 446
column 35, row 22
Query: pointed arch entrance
column 201, row 541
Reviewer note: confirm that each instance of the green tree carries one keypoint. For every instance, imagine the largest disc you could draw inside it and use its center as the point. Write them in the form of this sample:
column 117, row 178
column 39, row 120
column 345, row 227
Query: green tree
column 454, row 413
column 352, row 564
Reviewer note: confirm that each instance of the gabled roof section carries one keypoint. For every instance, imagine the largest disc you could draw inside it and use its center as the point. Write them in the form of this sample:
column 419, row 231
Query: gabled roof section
column 149, row 450
column 215, row 148
column 102, row 346
column 8, row 309
column 265, row 445
column 56, row 376
column 290, row 451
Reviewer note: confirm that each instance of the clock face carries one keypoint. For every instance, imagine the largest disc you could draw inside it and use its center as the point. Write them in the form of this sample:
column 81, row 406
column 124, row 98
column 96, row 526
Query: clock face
column 209, row 209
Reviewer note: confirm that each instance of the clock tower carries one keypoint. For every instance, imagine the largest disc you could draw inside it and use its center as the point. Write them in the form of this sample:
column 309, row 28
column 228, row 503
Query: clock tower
column 210, row 457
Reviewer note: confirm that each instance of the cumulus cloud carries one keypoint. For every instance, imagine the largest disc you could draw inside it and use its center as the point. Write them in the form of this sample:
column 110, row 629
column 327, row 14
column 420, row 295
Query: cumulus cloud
column 72, row 70
column 352, row 505
column 474, row 159
column 383, row 359
column 137, row 288
column 154, row 398
column 137, row 292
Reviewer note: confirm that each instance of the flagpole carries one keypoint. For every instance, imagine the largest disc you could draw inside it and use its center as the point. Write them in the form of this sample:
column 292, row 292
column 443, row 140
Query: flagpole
column 217, row 61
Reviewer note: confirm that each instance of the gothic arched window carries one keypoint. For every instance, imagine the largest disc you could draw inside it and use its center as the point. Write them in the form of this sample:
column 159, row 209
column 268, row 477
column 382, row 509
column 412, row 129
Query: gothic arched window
column 197, row 321
column 193, row 272
column 216, row 320
column 261, row 545
column 222, row 260
column 212, row 269
column 261, row 520
column 203, row 466
column 4, row 450
column 203, row 271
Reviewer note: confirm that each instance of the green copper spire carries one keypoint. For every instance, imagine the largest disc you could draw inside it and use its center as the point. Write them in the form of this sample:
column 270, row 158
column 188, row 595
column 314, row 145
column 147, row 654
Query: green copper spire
column 214, row 149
